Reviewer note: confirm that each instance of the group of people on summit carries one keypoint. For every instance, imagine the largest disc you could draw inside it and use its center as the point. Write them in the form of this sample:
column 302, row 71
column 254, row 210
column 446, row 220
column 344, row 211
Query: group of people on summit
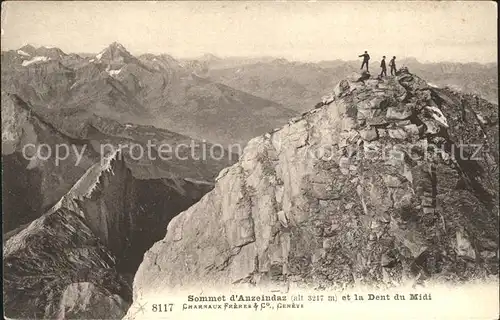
column 392, row 64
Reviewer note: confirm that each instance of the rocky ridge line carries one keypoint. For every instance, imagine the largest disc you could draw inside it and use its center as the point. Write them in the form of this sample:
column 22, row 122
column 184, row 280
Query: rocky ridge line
column 77, row 259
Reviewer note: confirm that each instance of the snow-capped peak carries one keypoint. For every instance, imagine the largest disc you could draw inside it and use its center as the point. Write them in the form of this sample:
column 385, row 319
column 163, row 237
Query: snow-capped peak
column 113, row 51
column 116, row 44
column 99, row 56
column 28, row 47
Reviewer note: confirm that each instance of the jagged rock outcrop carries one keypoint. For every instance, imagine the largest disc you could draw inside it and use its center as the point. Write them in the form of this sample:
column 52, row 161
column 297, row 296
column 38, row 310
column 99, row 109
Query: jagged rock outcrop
column 375, row 186
column 52, row 253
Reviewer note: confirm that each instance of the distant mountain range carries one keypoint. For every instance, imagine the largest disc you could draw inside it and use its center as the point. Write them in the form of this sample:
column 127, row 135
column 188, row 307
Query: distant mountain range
column 297, row 85
column 149, row 89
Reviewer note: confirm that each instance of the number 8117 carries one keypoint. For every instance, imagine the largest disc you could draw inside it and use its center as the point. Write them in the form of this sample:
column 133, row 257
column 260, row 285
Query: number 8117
column 162, row 307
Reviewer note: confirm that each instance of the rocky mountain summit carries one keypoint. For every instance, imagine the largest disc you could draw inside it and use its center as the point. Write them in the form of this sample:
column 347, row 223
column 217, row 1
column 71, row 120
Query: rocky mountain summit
column 115, row 53
column 384, row 182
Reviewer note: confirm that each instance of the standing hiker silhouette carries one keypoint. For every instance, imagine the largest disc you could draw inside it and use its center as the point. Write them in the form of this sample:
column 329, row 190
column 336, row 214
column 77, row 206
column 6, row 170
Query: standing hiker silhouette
column 392, row 64
column 384, row 68
column 366, row 58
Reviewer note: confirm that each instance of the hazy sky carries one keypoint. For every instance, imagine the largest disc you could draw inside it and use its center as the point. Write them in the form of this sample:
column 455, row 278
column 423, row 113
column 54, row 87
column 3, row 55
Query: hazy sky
column 429, row 31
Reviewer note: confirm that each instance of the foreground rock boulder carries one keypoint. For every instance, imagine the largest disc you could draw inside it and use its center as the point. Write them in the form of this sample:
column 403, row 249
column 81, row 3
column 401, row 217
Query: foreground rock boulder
column 84, row 300
column 379, row 185
column 51, row 254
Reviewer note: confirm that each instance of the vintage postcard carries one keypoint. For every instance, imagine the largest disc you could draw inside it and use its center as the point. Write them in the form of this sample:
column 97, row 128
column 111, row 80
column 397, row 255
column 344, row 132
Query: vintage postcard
column 250, row 160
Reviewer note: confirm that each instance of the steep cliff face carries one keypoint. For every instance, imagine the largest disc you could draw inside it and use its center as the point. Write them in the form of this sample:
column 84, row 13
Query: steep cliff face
column 90, row 243
column 378, row 184
column 128, row 214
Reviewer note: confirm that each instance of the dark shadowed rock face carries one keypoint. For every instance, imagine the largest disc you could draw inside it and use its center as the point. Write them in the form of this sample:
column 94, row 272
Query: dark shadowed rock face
column 31, row 185
column 367, row 189
column 128, row 214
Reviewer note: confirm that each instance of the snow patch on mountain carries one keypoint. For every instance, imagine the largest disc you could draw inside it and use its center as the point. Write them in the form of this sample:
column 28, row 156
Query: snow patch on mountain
column 114, row 73
column 34, row 60
column 21, row 52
